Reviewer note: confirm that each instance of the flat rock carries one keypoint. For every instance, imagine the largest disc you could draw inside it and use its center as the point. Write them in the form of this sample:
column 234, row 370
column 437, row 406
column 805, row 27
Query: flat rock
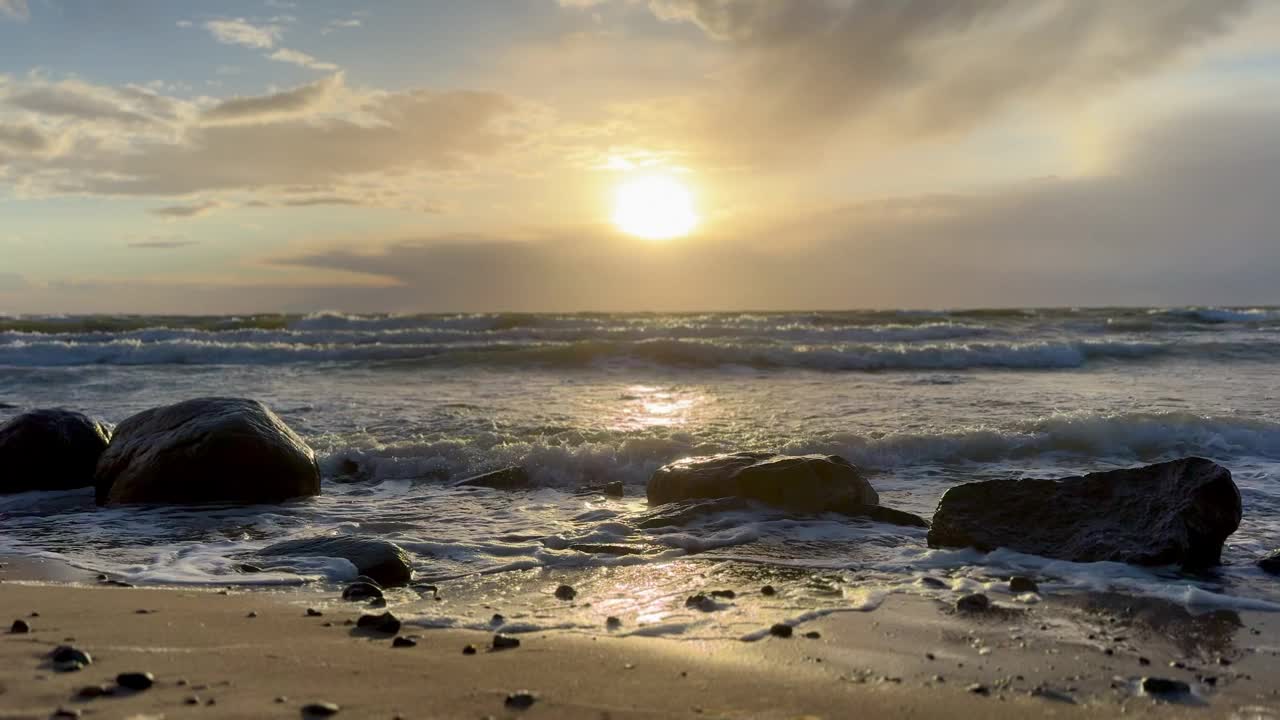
column 207, row 450
column 50, row 449
column 807, row 483
column 1177, row 512
column 386, row 563
column 509, row 478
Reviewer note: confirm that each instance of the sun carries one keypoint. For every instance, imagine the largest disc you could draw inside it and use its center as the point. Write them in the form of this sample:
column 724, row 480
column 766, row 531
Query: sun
column 654, row 207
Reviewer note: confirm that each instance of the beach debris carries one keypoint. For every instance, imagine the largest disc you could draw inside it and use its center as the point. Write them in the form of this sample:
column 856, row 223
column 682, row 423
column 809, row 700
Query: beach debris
column 701, row 602
column 727, row 594
column 469, row 650
column 385, row 623
column 320, row 709
column 520, row 700
column 136, row 681
column 66, row 658
column 402, row 641
column 781, row 630
column 566, row 592
column 768, row 590
column 1022, row 584
column 19, row 627
column 505, row 642
column 1164, row 687
column 1178, row 512
column 973, row 602
column 312, row 612
column 361, row 591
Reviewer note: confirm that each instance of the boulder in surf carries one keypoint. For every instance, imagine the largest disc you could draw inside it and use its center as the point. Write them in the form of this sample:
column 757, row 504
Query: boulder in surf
column 380, row 560
column 1171, row 513
column 51, row 449
column 207, row 450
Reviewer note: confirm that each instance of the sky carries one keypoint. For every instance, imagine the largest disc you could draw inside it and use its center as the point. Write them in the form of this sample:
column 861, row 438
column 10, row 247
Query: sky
column 472, row 155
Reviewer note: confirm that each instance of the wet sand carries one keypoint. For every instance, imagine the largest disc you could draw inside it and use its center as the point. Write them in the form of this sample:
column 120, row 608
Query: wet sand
column 257, row 654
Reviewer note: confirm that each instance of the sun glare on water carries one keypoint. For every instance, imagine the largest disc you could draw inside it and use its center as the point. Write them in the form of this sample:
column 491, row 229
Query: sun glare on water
column 654, row 207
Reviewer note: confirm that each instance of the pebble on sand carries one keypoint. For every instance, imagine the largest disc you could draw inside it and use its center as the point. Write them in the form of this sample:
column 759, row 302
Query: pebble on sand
column 1022, row 584
column 768, row 590
column 975, row 602
column 402, row 641
column 312, row 612
column 66, row 713
column 612, row 622
column 505, row 642
column 727, row 594
column 566, row 592
column 66, row 658
column 781, row 630
column 1164, row 687
column 135, row 680
column 979, row 689
column 520, row 700
column 19, row 626
column 384, row 623
column 319, row 710
column 469, row 650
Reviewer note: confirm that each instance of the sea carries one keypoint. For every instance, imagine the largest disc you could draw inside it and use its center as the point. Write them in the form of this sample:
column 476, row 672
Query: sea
column 399, row 406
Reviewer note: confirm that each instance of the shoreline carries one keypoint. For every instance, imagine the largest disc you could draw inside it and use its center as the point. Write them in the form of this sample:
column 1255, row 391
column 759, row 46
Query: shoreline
column 909, row 657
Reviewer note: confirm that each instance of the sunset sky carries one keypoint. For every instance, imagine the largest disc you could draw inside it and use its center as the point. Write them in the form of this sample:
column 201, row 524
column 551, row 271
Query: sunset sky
column 269, row 155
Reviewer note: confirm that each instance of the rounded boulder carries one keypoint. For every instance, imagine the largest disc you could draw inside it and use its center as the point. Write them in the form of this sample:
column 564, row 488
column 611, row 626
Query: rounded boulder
column 51, row 449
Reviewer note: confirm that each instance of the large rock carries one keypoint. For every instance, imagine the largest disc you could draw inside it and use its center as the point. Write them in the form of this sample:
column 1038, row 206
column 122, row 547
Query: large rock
column 1176, row 512
column 806, row 483
column 1271, row 563
column 383, row 561
column 49, row 450
column 206, row 450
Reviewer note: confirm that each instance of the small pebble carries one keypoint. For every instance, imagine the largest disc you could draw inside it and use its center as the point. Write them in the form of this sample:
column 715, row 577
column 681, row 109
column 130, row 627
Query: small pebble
column 384, row 623
column 282, row 699
column 35, row 614
column 378, row 603
column 724, row 594
column 1143, row 661
column 979, row 689
column 612, row 622
column 252, row 614
column 320, row 709
column 975, row 602
column 66, row 713
column 136, row 680
column 813, row 634
column 361, row 591
column 402, row 641
column 505, row 642
column 92, row 691
column 192, row 700
column 469, row 650
column 1164, row 686
column 19, row 626
column 1022, row 584
column 566, row 592
column 768, row 590
column 497, row 619
column 781, row 630
column 520, row 700
column 312, row 612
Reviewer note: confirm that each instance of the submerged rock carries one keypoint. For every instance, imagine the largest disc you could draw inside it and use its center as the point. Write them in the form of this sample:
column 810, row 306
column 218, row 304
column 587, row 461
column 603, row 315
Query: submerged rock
column 383, row 562
column 808, row 483
column 49, row 449
column 1173, row 512
column 1271, row 563
column 510, row 478
column 206, row 450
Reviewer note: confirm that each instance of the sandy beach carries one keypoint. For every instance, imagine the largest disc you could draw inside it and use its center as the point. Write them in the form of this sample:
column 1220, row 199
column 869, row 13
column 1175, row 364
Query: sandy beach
column 259, row 654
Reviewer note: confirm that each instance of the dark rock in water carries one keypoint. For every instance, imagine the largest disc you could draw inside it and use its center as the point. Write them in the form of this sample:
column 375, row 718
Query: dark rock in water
column 49, row 450
column 520, row 700
column 808, row 483
column 566, row 592
column 511, row 478
column 1164, row 687
column 505, row 642
column 1022, row 584
column 378, row 602
column 701, row 602
column 768, row 590
column 1271, row 563
column 469, row 650
column 66, row 658
column 781, row 630
column 385, row 623
column 1173, row 512
column 976, row 602
column 728, row 594
column 609, row 489
column 687, row 511
column 320, row 709
column 385, row 563
column 206, row 450
column 19, row 627
column 932, row 582
column 402, row 641
column 360, row 591
column 136, row 681
column 878, row 513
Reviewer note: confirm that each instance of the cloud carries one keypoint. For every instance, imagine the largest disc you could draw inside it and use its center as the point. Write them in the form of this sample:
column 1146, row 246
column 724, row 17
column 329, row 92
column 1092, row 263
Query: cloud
column 299, row 100
column 174, row 212
column 23, row 138
column 1186, row 216
column 71, row 101
column 334, row 25
column 800, row 74
column 10, row 281
column 300, row 58
column 241, row 32
column 162, row 243
column 14, row 9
